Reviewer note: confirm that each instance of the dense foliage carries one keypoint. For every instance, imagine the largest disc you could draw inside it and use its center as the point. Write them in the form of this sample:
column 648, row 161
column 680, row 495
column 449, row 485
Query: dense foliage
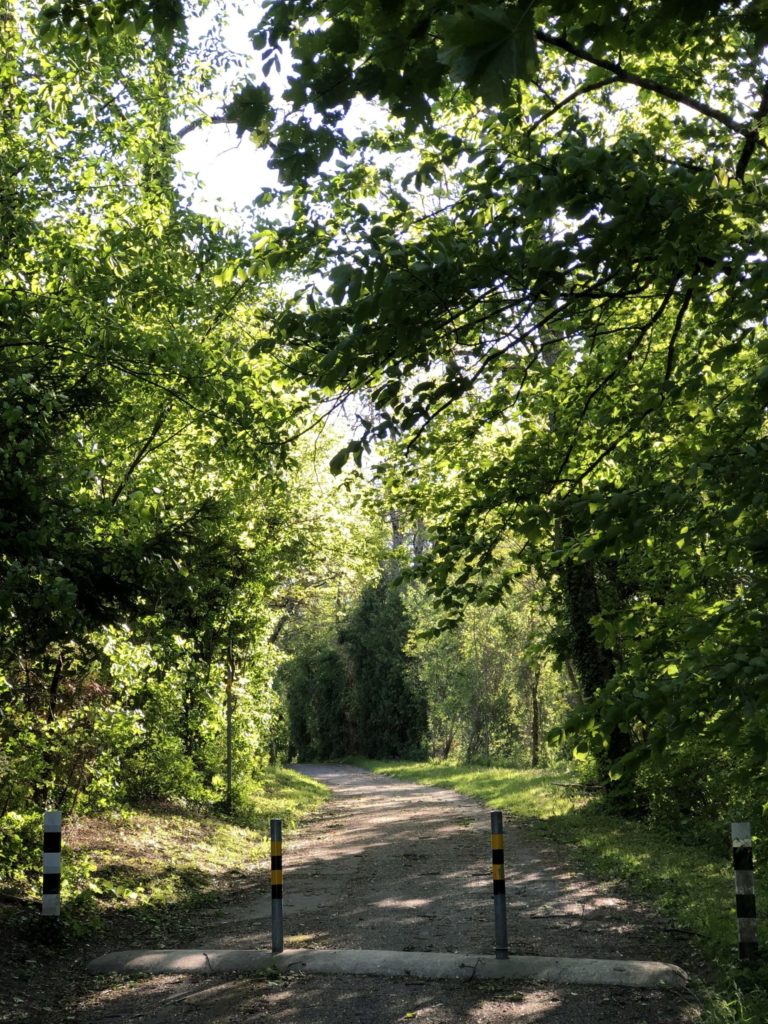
column 546, row 271
column 151, row 463
column 353, row 692
column 493, row 693
column 525, row 245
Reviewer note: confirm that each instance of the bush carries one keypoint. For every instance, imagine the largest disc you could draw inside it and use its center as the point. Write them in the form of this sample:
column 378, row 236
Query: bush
column 696, row 790
column 160, row 770
column 20, row 846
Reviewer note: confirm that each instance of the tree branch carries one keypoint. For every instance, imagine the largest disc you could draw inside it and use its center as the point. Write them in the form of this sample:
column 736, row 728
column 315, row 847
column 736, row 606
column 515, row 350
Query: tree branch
column 676, row 331
column 142, row 452
column 202, row 121
column 752, row 139
column 582, row 89
column 622, row 75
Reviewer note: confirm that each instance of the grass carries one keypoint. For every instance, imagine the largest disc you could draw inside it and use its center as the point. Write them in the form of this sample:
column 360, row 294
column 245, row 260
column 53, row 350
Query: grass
column 157, row 857
column 138, row 877
column 692, row 886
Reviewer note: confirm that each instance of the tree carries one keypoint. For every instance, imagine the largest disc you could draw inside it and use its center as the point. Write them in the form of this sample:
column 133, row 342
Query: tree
column 346, row 678
column 547, row 267
column 492, row 691
column 148, row 464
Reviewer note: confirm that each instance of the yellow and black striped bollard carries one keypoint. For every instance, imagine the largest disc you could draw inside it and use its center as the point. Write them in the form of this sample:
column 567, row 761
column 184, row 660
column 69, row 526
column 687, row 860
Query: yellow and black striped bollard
column 276, row 838
column 499, row 886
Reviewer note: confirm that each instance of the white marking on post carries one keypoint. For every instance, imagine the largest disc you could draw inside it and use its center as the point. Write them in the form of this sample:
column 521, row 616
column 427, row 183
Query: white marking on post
column 746, row 909
column 51, row 903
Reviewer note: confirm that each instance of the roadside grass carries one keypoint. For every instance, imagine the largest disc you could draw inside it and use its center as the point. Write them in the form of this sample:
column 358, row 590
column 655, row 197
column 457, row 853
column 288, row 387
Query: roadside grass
column 145, row 863
column 139, row 876
column 691, row 885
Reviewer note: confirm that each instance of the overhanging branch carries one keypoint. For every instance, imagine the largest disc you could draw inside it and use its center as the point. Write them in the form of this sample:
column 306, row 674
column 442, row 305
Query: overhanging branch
column 201, row 122
column 642, row 82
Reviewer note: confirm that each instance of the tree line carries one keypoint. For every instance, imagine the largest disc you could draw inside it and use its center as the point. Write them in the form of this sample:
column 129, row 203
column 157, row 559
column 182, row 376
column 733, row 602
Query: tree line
column 535, row 284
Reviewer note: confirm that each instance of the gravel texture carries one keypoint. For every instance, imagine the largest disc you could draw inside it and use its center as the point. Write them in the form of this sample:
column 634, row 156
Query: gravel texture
column 389, row 864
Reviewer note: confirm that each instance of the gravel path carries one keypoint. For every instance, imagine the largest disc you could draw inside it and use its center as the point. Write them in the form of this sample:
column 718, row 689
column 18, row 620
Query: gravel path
column 389, row 864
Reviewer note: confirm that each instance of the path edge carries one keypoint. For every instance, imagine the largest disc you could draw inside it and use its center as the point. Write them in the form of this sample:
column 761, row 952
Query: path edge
column 393, row 963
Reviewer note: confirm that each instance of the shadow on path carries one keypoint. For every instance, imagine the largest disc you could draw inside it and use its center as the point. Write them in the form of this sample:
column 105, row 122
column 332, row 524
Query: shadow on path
column 389, row 864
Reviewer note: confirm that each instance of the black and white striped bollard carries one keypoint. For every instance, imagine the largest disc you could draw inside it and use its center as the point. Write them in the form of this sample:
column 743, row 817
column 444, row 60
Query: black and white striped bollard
column 276, row 850
column 51, row 863
column 499, row 885
column 746, row 909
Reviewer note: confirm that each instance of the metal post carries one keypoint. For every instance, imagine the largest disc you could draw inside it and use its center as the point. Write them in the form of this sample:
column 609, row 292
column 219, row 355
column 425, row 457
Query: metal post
column 51, row 863
column 499, row 887
column 230, row 681
column 746, row 910
column 276, row 837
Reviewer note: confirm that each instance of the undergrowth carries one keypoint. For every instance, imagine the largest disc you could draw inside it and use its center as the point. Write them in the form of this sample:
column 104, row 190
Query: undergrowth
column 162, row 856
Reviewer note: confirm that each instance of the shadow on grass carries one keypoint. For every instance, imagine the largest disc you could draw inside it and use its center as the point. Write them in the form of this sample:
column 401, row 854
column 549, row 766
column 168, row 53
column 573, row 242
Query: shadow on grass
column 690, row 882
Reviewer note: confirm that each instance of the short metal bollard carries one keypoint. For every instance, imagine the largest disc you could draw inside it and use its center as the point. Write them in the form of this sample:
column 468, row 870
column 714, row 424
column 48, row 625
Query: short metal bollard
column 499, row 885
column 51, row 864
column 746, row 908
column 276, row 849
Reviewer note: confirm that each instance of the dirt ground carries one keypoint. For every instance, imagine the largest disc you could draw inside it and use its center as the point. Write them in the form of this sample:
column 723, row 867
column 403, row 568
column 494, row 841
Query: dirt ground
column 392, row 865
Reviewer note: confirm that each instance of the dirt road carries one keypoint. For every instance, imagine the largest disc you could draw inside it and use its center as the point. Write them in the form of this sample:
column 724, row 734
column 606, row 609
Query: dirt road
column 393, row 865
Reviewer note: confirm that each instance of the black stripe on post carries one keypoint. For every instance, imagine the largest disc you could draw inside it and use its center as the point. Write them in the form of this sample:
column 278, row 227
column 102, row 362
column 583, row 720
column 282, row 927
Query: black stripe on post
column 51, row 842
column 499, row 886
column 746, row 905
column 742, row 858
column 51, row 904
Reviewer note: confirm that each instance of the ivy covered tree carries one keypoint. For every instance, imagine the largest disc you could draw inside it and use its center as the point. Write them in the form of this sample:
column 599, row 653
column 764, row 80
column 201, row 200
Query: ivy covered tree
column 349, row 681
column 390, row 713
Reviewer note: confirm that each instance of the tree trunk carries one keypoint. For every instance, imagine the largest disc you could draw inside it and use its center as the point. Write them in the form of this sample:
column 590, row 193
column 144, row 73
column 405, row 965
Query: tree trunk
column 230, row 682
column 53, row 689
column 594, row 663
column 535, row 719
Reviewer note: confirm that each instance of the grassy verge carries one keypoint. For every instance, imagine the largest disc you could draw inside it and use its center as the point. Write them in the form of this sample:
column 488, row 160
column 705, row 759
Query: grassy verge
column 137, row 878
column 160, row 857
column 693, row 887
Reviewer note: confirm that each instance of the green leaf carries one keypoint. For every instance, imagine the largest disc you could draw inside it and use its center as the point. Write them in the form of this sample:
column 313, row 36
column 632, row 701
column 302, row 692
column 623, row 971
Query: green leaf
column 339, row 461
column 488, row 47
column 251, row 110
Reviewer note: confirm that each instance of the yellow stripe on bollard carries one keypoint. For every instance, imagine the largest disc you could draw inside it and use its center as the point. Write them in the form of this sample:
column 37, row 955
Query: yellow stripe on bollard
column 276, row 846
column 498, row 872
column 497, row 842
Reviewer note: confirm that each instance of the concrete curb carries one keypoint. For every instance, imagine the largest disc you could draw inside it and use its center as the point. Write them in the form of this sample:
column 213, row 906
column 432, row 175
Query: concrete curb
column 390, row 963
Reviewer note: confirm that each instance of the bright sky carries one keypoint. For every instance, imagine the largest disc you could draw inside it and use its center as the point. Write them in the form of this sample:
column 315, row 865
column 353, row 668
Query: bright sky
column 232, row 170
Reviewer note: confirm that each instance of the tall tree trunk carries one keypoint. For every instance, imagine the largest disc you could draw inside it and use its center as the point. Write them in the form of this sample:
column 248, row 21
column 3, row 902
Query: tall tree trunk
column 535, row 719
column 594, row 663
column 53, row 689
column 229, row 687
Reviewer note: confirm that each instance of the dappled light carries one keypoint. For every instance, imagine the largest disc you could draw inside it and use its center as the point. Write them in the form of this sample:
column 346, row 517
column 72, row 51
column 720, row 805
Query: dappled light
column 443, row 451
column 417, row 878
